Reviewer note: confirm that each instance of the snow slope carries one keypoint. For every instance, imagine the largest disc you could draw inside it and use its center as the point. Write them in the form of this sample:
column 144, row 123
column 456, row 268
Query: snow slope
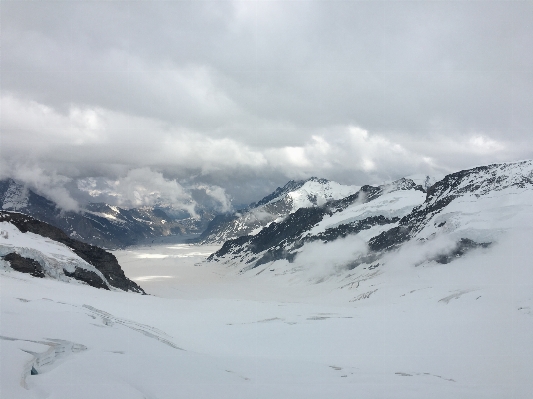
column 30, row 246
column 460, row 330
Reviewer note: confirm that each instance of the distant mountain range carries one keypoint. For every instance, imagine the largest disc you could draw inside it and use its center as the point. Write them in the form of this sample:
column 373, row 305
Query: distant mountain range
column 463, row 211
column 311, row 221
column 102, row 224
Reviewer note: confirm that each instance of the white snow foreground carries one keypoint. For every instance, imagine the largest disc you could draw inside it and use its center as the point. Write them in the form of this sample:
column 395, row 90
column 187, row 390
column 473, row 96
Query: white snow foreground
column 54, row 257
column 459, row 330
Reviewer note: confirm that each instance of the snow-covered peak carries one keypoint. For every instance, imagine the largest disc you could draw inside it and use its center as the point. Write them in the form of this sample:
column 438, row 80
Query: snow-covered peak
column 316, row 192
column 284, row 201
column 305, row 193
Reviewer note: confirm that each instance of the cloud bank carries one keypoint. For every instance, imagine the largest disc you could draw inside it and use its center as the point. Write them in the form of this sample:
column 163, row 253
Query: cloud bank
column 246, row 95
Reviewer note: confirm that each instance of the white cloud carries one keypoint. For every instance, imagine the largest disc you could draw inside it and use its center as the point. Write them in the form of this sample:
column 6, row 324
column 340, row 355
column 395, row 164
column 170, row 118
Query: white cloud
column 218, row 194
column 319, row 260
column 48, row 184
column 146, row 187
column 137, row 188
column 88, row 141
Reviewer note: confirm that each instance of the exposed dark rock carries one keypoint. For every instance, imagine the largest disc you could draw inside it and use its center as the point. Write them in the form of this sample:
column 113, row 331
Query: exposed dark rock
column 389, row 239
column 24, row 265
column 343, row 230
column 463, row 246
column 231, row 246
column 290, row 229
column 88, row 277
column 104, row 261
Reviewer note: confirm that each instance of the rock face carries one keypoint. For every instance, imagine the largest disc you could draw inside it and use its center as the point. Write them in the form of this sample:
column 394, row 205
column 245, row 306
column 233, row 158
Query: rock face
column 24, row 265
column 468, row 210
column 101, row 224
column 73, row 258
column 275, row 207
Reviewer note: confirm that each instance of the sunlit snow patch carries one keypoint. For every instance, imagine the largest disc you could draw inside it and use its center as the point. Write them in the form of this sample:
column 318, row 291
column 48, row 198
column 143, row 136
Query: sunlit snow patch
column 150, row 278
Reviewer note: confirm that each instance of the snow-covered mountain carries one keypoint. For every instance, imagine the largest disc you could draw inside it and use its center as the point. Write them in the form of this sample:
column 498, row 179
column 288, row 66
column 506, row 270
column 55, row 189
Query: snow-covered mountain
column 30, row 246
column 465, row 210
column 101, row 224
column 282, row 202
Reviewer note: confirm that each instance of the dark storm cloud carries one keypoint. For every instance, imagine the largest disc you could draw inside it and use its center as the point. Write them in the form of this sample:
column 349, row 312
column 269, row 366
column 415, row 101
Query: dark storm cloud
column 235, row 92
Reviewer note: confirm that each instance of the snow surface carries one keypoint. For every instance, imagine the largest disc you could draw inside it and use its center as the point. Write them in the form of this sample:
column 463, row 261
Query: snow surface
column 460, row 330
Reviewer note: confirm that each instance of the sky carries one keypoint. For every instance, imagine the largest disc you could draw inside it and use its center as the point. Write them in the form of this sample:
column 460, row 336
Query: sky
column 237, row 97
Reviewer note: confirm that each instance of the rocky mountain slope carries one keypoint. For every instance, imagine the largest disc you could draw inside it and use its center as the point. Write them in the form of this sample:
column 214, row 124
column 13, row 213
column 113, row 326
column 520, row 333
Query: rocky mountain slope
column 30, row 246
column 282, row 202
column 101, row 224
column 465, row 210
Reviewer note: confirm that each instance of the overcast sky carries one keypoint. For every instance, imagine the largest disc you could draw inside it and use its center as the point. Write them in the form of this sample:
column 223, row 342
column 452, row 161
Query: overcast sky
column 245, row 95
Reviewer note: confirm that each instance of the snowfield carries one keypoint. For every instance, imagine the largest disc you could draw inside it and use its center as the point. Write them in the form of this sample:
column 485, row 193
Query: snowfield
column 456, row 330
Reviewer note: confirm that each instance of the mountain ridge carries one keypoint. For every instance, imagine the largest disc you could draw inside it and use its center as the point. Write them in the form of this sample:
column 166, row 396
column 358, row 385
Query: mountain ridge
column 458, row 207
column 100, row 224
column 313, row 192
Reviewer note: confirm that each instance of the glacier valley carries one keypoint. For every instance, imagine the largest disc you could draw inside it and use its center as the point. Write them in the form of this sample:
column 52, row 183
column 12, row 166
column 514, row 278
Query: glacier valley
column 398, row 291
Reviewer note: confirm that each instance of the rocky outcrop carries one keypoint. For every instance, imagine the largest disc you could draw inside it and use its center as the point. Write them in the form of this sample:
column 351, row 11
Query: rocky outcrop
column 24, row 265
column 103, row 261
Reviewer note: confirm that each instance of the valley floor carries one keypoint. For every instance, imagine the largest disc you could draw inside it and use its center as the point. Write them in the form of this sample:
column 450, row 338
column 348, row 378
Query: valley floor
column 208, row 331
